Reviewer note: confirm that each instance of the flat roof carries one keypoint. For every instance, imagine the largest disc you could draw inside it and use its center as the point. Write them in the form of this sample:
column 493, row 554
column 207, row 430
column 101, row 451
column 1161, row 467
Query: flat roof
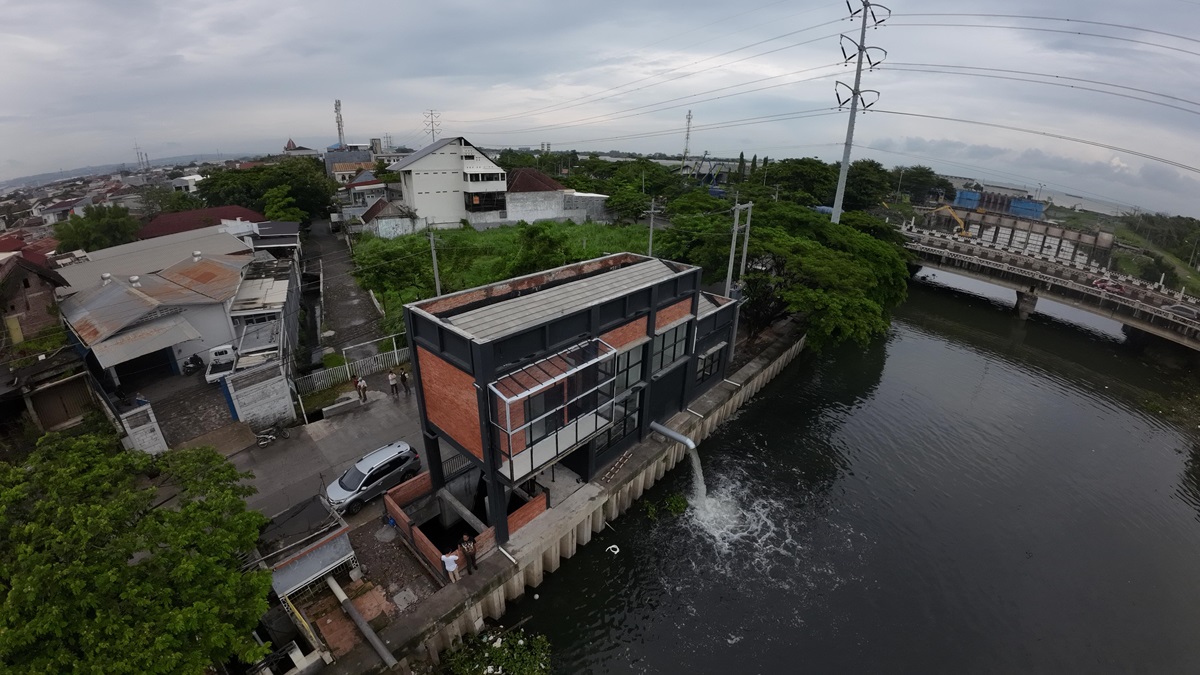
column 150, row 255
column 516, row 314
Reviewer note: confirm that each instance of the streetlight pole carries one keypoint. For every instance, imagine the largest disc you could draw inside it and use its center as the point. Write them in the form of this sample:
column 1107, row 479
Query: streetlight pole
column 1039, row 192
column 899, row 183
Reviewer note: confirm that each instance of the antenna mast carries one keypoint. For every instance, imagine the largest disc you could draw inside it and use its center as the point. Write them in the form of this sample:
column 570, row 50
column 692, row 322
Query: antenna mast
column 337, row 113
column 687, row 138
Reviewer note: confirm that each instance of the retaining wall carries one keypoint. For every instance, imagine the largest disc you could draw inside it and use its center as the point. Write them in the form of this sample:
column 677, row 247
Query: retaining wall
column 541, row 545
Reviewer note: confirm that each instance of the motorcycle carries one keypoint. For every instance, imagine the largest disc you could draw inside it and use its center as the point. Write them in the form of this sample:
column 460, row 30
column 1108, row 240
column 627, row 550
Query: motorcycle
column 193, row 364
column 270, row 434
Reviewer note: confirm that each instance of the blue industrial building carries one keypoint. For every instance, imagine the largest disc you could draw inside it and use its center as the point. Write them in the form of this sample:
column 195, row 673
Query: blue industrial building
column 992, row 201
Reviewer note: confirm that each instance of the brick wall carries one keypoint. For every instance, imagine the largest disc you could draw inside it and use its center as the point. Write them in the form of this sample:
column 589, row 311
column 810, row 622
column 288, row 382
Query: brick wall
column 485, row 543
column 450, row 401
column 669, row 315
column 521, row 517
column 623, row 335
column 33, row 306
column 411, row 490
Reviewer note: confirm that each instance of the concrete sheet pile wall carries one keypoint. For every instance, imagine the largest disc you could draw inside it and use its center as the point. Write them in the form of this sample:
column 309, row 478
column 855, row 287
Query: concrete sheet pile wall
column 261, row 396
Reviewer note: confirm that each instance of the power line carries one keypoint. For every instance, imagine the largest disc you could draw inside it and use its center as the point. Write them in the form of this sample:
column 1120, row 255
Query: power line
column 573, row 103
column 619, row 115
column 1048, row 134
column 1043, row 82
column 1055, row 18
column 1047, row 30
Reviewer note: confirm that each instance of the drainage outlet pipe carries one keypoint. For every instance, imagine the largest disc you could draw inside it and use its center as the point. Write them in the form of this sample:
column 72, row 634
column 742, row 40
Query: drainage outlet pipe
column 673, row 435
column 363, row 626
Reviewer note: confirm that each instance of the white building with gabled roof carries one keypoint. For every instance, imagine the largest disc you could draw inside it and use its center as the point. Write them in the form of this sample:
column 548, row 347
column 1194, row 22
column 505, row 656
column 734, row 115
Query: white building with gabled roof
column 450, row 180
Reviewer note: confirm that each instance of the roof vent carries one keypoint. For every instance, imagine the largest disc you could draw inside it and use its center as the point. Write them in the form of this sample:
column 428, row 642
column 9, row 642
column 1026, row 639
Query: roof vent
column 105, row 278
column 195, row 256
column 133, row 281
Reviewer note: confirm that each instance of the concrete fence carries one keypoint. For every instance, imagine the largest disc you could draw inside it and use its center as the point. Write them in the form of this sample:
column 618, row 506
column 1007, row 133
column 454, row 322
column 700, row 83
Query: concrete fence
column 324, row 379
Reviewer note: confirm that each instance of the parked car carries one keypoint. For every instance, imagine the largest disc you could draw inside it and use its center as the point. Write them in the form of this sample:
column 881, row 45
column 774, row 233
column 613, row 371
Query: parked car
column 1184, row 311
column 376, row 473
column 220, row 363
column 1109, row 286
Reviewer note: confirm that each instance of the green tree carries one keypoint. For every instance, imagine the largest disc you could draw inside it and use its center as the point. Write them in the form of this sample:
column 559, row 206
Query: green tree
column 280, row 206
column 741, row 168
column 106, row 569
column 754, row 163
column 540, row 246
column 162, row 199
column 867, row 185
column 920, row 182
column 304, row 178
column 99, row 227
column 628, row 202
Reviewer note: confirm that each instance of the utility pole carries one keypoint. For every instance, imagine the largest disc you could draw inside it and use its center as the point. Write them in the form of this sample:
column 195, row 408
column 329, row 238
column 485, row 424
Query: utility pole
column 653, row 210
column 746, row 239
column 437, row 280
column 776, row 193
column 867, row 13
column 432, row 125
column 737, row 218
column 899, row 183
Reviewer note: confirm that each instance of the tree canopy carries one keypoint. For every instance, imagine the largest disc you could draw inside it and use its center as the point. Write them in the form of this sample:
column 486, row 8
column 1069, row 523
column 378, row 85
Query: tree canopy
column 99, row 227
column 162, row 199
column 117, row 562
column 303, row 178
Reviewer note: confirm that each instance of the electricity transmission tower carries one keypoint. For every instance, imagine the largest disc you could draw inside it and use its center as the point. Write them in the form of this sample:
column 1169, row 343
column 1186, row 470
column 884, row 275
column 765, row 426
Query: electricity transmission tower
column 432, row 125
column 687, row 137
column 873, row 56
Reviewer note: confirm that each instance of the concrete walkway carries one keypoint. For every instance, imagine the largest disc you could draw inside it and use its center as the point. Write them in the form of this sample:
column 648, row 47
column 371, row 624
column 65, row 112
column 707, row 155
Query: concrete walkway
column 291, row 470
column 349, row 311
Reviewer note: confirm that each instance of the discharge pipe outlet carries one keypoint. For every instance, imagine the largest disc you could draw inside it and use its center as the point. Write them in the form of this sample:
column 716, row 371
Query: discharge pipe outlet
column 673, row 435
column 363, row 626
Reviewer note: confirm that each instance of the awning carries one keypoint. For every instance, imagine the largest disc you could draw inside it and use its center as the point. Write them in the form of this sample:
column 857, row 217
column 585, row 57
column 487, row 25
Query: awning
column 144, row 339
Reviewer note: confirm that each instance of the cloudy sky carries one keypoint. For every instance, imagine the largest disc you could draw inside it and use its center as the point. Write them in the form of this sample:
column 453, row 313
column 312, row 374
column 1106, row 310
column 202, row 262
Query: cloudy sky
column 84, row 80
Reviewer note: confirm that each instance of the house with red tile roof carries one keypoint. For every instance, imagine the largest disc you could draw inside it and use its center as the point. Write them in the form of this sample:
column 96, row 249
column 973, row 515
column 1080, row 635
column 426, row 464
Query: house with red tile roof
column 186, row 221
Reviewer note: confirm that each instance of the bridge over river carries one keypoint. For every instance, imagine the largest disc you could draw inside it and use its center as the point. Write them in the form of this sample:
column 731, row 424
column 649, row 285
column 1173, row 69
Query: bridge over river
column 1033, row 275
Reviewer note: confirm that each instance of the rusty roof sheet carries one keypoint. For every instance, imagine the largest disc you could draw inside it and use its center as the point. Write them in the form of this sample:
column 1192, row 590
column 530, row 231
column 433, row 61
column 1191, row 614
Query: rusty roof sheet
column 144, row 338
column 214, row 276
column 104, row 310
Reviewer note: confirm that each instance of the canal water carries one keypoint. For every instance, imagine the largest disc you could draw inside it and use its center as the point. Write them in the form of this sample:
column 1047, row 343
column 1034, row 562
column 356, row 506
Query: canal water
column 972, row 494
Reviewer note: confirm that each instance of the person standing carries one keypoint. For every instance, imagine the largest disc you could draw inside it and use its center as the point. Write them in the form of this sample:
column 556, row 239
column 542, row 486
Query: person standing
column 361, row 386
column 451, row 562
column 392, row 383
column 468, row 550
column 404, row 381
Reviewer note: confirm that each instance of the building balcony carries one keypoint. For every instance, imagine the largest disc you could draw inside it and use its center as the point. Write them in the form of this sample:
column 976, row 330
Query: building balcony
column 549, row 408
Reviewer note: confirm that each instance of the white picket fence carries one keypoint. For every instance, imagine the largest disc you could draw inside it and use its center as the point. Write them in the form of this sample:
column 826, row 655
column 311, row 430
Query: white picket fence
column 324, row 379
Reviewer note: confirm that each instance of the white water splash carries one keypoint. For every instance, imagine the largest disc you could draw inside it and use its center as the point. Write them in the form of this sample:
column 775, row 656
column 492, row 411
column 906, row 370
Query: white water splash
column 699, row 489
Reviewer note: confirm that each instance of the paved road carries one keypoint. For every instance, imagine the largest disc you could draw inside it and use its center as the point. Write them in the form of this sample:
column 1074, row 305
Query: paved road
column 350, row 314
column 295, row 469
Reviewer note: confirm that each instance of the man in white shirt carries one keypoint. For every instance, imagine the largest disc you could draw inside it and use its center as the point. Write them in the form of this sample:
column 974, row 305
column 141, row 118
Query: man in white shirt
column 450, row 560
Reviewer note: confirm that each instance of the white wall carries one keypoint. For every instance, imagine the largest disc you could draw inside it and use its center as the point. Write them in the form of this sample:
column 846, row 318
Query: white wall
column 214, row 328
column 531, row 206
column 436, row 187
column 261, row 396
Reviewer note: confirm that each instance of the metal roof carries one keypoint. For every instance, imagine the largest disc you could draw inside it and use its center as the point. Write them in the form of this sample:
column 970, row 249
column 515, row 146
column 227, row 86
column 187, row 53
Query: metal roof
column 104, row 310
column 264, row 287
column 430, row 149
column 215, row 276
column 516, row 314
column 259, row 336
column 144, row 338
column 152, row 255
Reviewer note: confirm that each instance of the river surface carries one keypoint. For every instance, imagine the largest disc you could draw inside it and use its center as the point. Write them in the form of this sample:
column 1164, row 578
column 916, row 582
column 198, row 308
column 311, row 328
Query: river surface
column 972, row 494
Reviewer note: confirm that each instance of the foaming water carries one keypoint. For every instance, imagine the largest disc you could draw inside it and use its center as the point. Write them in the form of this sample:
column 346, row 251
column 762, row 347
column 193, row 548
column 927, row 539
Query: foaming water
column 699, row 489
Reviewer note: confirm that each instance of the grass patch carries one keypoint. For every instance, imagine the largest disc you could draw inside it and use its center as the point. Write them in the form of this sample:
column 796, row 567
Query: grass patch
column 333, row 360
column 326, row 397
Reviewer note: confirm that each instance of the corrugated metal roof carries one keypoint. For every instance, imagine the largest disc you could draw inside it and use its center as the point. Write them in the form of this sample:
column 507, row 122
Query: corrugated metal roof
column 145, row 257
column 143, row 339
column 514, row 315
column 104, row 310
column 169, row 292
column 215, row 276
column 426, row 151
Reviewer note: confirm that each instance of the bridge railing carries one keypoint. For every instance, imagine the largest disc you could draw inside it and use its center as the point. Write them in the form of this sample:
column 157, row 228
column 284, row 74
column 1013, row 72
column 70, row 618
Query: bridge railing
column 1086, row 289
